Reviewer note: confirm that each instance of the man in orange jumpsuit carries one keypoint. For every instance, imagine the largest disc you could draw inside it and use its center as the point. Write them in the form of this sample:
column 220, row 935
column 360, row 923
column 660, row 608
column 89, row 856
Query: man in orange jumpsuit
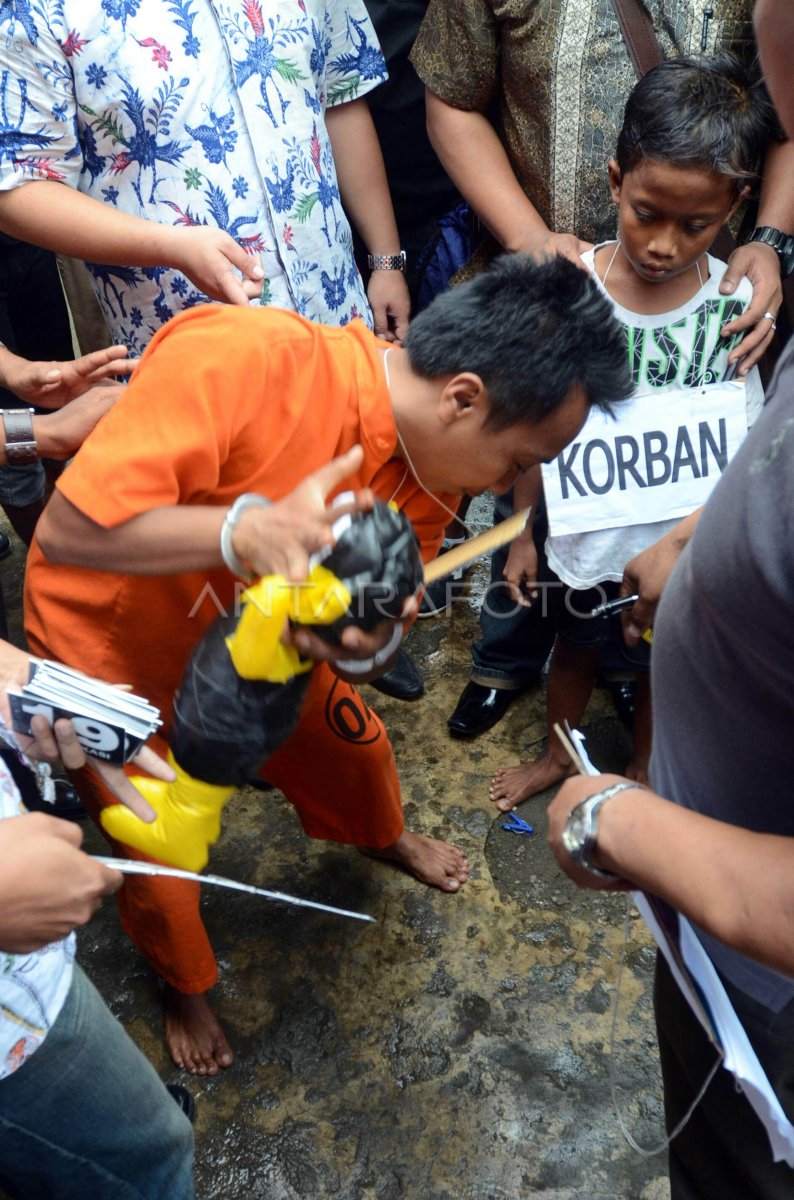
column 128, row 571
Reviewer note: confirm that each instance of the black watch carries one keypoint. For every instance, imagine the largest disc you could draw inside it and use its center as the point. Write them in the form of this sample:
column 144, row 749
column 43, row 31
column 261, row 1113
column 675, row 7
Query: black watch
column 782, row 243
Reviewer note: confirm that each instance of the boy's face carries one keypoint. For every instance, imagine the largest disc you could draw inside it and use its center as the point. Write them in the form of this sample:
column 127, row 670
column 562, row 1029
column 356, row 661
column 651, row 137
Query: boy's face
column 669, row 215
column 466, row 455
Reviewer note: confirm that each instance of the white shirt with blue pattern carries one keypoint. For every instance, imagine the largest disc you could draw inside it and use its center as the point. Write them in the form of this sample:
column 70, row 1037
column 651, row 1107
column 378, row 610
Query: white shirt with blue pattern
column 194, row 112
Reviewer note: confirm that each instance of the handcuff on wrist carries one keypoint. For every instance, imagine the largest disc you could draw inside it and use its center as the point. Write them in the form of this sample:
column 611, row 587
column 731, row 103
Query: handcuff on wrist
column 231, row 521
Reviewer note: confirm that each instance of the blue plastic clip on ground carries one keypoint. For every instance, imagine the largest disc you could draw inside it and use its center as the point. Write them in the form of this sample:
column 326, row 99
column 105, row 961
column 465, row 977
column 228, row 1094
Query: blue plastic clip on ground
column 516, row 824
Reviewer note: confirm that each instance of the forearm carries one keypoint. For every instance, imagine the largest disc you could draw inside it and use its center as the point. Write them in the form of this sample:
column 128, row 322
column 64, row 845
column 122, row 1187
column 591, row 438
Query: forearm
column 527, row 489
column 165, row 541
column 362, row 177
column 734, row 884
column 776, row 203
column 60, row 218
column 476, row 161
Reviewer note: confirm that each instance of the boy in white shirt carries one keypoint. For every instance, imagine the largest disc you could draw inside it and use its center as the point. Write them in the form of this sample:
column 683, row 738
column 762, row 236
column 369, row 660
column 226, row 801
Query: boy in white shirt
column 692, row 143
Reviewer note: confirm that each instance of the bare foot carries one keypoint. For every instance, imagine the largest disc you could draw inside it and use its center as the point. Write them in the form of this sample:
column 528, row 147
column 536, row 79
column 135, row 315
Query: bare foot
column 193, row 1036
column 512, row 785
column 638, row 770
column 432, row 862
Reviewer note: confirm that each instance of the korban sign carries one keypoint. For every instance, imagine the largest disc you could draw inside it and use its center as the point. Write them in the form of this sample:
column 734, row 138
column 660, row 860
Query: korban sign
column 659, row 460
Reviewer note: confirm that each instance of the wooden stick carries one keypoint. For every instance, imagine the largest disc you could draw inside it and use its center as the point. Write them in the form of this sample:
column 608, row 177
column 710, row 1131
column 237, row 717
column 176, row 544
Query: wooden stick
column 466, row 552
column 570, row 749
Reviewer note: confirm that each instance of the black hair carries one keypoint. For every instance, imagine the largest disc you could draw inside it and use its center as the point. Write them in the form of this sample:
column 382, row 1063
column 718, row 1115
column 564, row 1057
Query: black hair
column 532, row 330
column 709, row 112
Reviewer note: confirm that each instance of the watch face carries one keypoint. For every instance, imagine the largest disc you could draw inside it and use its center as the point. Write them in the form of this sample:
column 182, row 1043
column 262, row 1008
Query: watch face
column 573, row 836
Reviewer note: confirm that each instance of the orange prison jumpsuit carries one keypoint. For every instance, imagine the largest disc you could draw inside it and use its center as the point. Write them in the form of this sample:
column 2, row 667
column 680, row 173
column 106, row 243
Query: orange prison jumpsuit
column 225, row 401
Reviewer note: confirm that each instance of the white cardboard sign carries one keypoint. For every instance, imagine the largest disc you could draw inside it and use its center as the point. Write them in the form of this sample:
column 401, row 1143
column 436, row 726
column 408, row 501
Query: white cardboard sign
column 660, row 460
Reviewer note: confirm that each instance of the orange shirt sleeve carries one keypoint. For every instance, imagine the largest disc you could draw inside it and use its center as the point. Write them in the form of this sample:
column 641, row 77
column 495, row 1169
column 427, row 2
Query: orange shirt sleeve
column 216, row 407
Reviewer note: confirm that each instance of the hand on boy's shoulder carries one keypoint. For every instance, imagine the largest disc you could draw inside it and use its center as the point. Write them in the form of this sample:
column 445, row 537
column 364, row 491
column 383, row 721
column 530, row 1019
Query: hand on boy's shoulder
column 761, row 265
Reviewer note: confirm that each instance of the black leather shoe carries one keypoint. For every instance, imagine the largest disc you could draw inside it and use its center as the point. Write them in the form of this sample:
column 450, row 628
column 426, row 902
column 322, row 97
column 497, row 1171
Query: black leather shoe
column 479, row 708
column 403, row 681
column 5, row 545
column 624, row 698
column 183, row 1099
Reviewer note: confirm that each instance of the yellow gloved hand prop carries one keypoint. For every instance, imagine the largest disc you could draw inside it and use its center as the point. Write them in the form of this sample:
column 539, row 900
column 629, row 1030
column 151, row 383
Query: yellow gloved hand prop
column 188, row 819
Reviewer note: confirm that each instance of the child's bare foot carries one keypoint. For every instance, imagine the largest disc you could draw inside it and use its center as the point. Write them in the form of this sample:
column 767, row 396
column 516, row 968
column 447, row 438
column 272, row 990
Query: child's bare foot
column 512, row 785
column 638, row 770
column 193, row 1035
column 432, row 862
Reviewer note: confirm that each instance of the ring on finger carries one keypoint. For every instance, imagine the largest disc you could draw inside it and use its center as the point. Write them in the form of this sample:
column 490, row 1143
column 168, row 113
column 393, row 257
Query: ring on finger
column 770, row 316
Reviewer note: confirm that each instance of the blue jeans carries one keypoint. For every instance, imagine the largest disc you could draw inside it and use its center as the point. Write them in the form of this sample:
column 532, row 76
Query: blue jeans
column 87, row 1117
column 515, row 641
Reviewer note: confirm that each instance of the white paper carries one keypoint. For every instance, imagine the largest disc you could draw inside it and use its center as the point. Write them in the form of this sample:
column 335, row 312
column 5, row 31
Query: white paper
column 659, row 461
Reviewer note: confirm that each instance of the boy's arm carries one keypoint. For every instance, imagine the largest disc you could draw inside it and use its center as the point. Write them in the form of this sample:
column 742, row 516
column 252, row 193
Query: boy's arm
column 734, row 884
column 365, row 195
column 60, row 218
column 521, row 568
column 759, row 262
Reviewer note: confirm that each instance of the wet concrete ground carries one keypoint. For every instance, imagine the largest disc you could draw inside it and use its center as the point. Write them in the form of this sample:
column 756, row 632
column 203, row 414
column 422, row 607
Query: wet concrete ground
column 458, row 1049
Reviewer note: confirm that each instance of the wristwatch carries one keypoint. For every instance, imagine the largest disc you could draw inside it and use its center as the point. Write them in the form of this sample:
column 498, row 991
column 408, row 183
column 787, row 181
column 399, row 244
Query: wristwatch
column 20, row 441
column 581, row 829
column 387, row 262
column 782, row 243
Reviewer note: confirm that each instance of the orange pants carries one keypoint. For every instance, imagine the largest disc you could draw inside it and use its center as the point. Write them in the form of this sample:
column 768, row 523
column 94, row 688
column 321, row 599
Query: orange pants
column 337, row 769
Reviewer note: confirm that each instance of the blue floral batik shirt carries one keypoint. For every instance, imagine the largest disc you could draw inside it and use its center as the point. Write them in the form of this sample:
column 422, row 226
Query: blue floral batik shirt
column 194, row 112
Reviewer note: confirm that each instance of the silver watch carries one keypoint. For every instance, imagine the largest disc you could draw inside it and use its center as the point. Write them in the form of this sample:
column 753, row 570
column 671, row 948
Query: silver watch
column 581, row 829
column 387, row 262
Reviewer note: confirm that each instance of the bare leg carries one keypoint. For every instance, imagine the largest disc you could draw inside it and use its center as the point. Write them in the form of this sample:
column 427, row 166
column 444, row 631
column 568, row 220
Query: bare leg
column 570, row 685
column 432, row 862
column 643, row 722
column 193, row 1035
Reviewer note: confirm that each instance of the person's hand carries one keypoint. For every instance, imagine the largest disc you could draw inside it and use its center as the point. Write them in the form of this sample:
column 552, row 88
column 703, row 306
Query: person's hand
column 53, row 384
column 390, row 302
column 356, row 644
column 646, row 575
column 548, row 244
column 215, row 262
column 571, row 793
column 761, row 265
column 47, row 885
column 521, row 569
column 121, row 786
column 278, row 540
column 58, row 745
column 59, row 434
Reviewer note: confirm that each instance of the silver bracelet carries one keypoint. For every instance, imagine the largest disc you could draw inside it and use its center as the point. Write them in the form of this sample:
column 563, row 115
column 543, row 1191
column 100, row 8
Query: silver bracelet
column 231, row 521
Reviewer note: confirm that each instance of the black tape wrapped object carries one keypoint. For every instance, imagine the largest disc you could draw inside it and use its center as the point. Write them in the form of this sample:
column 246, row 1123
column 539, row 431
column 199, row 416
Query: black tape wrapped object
column 224, row 726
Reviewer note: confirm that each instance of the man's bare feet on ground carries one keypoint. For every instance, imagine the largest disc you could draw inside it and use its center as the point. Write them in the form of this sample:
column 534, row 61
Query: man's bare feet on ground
column 193, row 1035
column 512, row 785
column 432, row 862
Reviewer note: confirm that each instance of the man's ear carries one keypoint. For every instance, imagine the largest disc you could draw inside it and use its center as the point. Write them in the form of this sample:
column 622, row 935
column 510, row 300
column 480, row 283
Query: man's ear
column 462, row 394
column 615, row 180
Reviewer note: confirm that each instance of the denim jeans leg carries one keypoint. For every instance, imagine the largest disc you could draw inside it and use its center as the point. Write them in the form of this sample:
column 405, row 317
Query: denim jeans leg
column 515, row 641
column 87, row 1117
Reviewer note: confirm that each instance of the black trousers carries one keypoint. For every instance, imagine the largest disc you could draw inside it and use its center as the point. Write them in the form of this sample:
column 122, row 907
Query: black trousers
column 723, row 1153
